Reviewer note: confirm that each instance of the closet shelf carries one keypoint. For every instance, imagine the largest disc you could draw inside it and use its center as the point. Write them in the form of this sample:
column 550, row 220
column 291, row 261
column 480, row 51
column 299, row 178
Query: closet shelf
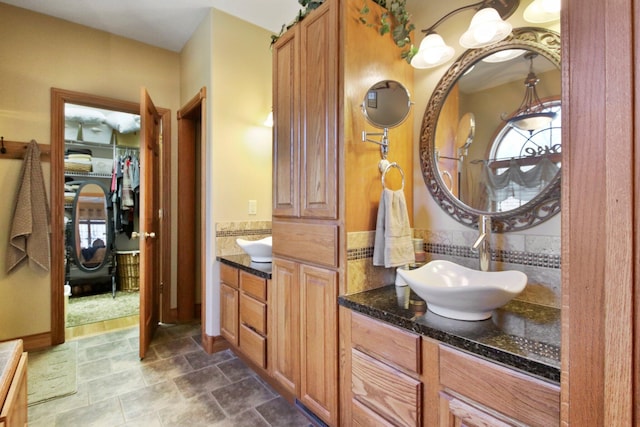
column 88, row 174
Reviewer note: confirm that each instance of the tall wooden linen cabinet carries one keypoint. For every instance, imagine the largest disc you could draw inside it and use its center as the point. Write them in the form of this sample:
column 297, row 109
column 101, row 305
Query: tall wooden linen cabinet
column 315, row 64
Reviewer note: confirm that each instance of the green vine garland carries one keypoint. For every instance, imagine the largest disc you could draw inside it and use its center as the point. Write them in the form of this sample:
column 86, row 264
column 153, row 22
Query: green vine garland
column 395, row 20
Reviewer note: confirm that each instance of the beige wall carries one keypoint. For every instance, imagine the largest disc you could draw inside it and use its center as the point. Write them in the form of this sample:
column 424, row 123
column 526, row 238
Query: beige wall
column 427, row 214
column 238, row 146
column 241, row 100
column 40, row 52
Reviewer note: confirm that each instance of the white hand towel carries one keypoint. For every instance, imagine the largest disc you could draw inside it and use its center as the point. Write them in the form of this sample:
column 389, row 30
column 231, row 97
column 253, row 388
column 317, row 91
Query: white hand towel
column 393, row 246
column 29, row 237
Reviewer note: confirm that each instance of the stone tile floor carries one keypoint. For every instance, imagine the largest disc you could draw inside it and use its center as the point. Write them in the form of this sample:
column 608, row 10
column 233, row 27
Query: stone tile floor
column 177, row 384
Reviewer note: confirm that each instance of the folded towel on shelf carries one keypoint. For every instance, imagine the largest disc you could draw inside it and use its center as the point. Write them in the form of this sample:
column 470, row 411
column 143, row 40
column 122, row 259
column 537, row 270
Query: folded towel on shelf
column 77, row 150
column 393, row 246
column 29, row 235
column 87, row 157
column 79, row 161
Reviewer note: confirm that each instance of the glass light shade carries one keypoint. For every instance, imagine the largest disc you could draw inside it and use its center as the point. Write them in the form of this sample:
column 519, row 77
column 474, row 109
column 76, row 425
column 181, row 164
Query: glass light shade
column 486, row 28
column 541, row 11
column 432, row 52
column 503, row 55
column 269, row 120
column 532, row 121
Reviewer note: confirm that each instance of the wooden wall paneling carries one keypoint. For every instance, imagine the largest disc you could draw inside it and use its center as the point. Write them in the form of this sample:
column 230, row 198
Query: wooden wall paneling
column 598, row 244
column 619, row 269
column 362, row 68
column 636, row 224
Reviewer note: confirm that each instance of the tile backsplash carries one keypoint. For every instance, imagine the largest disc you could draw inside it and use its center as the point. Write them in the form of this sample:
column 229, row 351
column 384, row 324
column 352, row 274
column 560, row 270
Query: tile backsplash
column 537, row 256
column 228, row 232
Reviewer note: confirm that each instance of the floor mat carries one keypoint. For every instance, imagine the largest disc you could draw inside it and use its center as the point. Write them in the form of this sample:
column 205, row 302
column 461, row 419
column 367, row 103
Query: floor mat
column 96, row 308
column 52, row 373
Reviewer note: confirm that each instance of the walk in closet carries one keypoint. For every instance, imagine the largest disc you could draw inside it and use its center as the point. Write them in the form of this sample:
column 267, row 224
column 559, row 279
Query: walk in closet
column 101, row 202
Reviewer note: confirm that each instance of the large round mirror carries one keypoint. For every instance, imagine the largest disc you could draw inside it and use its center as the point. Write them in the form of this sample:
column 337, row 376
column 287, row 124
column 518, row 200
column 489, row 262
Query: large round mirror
column 386, row 104
column 490, row 140
column 91, row 233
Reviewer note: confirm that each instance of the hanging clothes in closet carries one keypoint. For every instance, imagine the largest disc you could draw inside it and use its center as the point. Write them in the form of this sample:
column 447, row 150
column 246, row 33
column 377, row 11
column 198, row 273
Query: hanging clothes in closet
column 125, row 192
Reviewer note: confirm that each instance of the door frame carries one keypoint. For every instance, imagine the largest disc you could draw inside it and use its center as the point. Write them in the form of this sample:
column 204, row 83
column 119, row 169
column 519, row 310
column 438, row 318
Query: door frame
column 59, row 97
column 189, row 150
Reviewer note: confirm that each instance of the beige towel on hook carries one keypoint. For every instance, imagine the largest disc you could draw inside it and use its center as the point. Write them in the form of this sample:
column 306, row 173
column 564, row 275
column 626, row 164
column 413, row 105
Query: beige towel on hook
column 29, row 236
column 393, row 246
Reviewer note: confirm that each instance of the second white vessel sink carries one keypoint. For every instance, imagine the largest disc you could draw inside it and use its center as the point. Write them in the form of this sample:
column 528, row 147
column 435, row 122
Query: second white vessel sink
column 258, row 250
column 462, row 293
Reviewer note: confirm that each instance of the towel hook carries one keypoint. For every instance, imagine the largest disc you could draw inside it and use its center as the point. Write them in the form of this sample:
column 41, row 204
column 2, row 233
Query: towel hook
column 393, row 165
column 3, row 150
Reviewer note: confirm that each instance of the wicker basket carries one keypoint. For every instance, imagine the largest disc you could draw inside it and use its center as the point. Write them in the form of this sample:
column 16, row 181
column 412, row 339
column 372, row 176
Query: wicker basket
column 128, row 270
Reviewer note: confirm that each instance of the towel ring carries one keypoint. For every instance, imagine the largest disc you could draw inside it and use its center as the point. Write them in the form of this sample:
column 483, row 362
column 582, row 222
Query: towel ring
column 392, row 165
column 445, row 174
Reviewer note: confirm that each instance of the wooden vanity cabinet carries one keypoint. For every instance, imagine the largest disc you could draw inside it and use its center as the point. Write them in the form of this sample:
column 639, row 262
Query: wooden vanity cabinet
column 477, row 392
column 382, row 381
column 243, row 313
column 322, row 68
column 394, row 377
column 13, row 387
column 253, row 318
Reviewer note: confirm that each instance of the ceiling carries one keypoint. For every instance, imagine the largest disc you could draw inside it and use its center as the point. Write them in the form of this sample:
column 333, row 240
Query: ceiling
column 164, row 23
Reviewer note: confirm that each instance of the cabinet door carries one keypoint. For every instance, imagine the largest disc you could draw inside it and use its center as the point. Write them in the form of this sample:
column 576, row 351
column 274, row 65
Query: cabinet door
column 319, row 342
column 286, row 86
column 319, row 111
column 456, row 413
column 284, row 321
column 229, row 313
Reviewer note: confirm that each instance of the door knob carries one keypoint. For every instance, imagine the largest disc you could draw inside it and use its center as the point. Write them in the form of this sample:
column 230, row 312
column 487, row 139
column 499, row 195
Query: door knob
column 135, row 235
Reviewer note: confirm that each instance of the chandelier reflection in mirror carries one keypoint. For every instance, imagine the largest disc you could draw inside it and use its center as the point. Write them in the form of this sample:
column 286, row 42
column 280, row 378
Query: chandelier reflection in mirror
column 523, row 163
column 532, row 113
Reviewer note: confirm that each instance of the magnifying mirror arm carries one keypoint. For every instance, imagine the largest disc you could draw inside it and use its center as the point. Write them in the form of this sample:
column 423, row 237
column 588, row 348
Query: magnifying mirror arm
column 383, row 143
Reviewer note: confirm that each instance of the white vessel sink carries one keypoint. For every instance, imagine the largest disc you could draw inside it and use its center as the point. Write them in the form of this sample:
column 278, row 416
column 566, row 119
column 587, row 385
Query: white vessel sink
column 461, row 293
column 258, row 250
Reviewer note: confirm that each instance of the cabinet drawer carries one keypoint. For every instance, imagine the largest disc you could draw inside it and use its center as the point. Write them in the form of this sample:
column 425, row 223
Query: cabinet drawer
column 254, row 346
column 229, row 275
column 361, row 416
column 253, row 313
column 391, row 394
column 386, row 342
column 517, row 395
column 253, row 285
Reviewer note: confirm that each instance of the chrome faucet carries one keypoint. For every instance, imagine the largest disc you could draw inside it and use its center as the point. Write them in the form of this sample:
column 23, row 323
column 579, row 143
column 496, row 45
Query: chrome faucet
column 482, row 242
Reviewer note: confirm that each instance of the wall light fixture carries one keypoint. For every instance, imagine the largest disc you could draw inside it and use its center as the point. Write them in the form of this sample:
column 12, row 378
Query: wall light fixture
column 487, row 26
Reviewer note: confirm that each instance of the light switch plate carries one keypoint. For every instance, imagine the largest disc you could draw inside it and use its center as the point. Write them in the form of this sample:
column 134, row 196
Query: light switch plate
column 253, row 207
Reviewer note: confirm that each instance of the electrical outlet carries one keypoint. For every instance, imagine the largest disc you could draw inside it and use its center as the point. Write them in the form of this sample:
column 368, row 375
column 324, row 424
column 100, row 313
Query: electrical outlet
column 253, row 207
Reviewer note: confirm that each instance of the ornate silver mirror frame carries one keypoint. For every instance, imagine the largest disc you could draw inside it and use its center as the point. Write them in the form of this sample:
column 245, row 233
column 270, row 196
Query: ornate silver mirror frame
column 541, row 207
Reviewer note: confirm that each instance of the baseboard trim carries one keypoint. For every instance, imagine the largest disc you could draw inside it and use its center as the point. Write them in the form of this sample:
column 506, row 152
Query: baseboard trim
column 213, row 344
column 37, row 341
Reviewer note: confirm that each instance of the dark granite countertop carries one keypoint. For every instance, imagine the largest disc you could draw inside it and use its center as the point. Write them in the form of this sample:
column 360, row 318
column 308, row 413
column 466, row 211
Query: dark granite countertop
column 519, row 335
column 243, row 262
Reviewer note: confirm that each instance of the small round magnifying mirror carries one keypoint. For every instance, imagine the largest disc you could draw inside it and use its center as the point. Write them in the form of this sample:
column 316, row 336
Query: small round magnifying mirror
column 386, row 104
